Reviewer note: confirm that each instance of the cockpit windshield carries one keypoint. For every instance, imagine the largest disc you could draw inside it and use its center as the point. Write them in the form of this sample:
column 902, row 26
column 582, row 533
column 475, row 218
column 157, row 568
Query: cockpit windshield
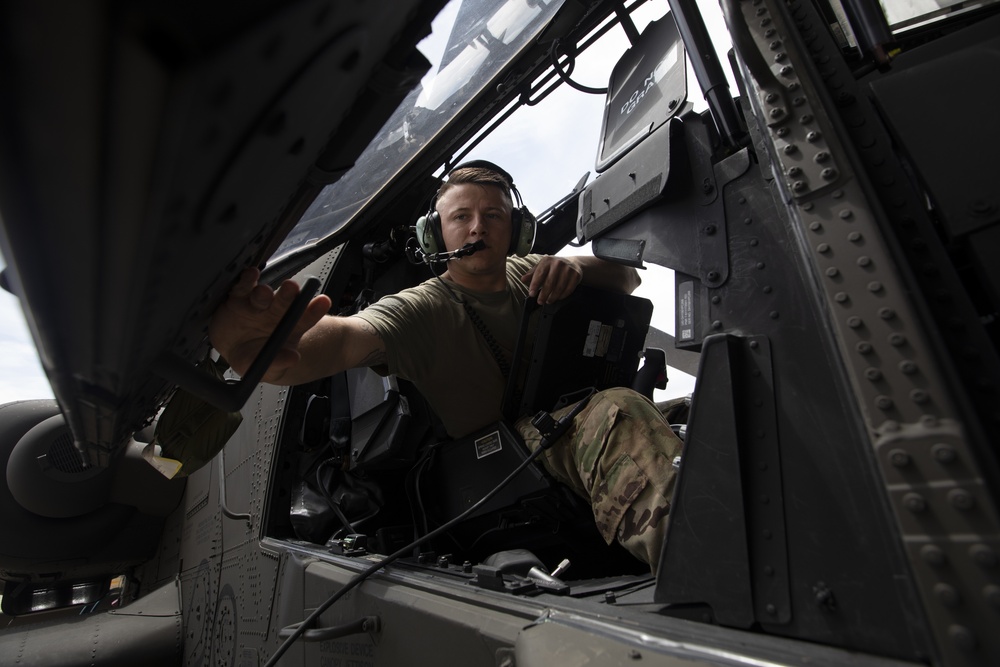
column 903, row 14
column 471, row 41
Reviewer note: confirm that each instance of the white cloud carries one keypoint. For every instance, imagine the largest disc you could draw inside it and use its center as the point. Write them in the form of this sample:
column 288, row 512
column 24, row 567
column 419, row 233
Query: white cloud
column 21, row 375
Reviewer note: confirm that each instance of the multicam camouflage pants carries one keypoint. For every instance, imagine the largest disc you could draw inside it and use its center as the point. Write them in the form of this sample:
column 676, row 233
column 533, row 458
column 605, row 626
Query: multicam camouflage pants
column 618, row 454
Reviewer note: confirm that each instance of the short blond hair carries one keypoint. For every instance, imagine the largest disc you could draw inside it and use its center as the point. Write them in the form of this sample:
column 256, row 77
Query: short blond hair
column 478, row 176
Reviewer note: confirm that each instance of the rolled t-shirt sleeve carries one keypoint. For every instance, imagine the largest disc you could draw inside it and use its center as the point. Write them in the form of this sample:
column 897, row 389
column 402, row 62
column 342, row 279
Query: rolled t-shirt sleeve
column 408, row 325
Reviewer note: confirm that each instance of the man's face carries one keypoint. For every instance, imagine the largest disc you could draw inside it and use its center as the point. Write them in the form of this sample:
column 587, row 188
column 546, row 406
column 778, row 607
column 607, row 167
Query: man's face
column 469, row 213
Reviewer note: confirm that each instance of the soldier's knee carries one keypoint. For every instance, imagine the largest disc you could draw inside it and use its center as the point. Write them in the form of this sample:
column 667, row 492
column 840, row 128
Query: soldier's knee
column 634, row 407
column 643, row 528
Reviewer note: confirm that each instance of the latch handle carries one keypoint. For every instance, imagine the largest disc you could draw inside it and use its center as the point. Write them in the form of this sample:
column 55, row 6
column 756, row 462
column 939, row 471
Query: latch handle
column 231, row 396
column 363, row 624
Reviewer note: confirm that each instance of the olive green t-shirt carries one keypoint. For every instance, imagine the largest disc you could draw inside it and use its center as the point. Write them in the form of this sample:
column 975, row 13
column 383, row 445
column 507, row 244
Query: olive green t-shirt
column 431, row 341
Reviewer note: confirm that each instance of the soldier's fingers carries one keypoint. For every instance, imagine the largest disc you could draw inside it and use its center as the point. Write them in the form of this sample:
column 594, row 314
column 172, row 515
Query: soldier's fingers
column 561, row 283
column 564, row 285
column 315, row 311
column 285, row 294
column 526, row 278
column 261, row 297
column 539, row 276
column 247, row 281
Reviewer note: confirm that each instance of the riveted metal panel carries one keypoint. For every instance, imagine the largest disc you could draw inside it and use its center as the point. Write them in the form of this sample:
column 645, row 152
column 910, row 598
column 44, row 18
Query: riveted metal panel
column 807, row 154
column 943, row 511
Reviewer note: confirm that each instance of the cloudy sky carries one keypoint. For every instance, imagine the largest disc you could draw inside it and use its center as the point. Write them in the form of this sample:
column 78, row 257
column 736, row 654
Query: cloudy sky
column 569, row 122
column 21, row 375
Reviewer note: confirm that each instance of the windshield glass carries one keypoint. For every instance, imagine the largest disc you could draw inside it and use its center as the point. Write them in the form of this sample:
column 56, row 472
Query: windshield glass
column 471, row 41
column 902, row 14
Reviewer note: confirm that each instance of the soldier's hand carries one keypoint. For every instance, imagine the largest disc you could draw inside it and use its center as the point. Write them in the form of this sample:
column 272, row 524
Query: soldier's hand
column 242, row 324
column 552, row 279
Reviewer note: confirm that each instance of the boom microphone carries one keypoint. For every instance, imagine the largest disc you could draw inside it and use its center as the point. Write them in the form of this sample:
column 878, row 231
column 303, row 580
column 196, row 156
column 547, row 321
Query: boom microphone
column 418, row 256
column 469, row 248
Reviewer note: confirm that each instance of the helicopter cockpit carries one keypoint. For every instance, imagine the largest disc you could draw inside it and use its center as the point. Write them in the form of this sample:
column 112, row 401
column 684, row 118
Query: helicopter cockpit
column 373, row 465
column 821, row 242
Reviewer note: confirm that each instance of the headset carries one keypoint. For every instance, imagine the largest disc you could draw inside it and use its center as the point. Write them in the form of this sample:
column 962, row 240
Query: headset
column 522, row 227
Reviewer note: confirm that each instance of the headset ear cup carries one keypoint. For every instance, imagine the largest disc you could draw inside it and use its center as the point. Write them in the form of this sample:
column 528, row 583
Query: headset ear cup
column 428, row 229
column 524, row 231
column 516, row 220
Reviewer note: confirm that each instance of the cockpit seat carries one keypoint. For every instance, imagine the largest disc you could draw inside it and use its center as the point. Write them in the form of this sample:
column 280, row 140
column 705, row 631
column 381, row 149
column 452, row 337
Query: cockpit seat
column 592, row 339
column 388, row 419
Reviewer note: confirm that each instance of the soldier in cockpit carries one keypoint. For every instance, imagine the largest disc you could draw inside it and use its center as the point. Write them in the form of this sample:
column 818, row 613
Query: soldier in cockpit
column 451, row 337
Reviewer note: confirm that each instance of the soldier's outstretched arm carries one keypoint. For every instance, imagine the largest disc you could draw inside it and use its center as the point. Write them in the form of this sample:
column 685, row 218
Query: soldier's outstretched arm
column 319, row 345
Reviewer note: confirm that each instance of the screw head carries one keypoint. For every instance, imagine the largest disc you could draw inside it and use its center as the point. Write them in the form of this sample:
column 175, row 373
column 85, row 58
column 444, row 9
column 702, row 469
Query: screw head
column 963, row 638
column 944, row 453
column 947, row 594
column 899, row 458
column 991, row 593
column 914, row 502
column 983, row 556
column 933, row 555
column 961, row 500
